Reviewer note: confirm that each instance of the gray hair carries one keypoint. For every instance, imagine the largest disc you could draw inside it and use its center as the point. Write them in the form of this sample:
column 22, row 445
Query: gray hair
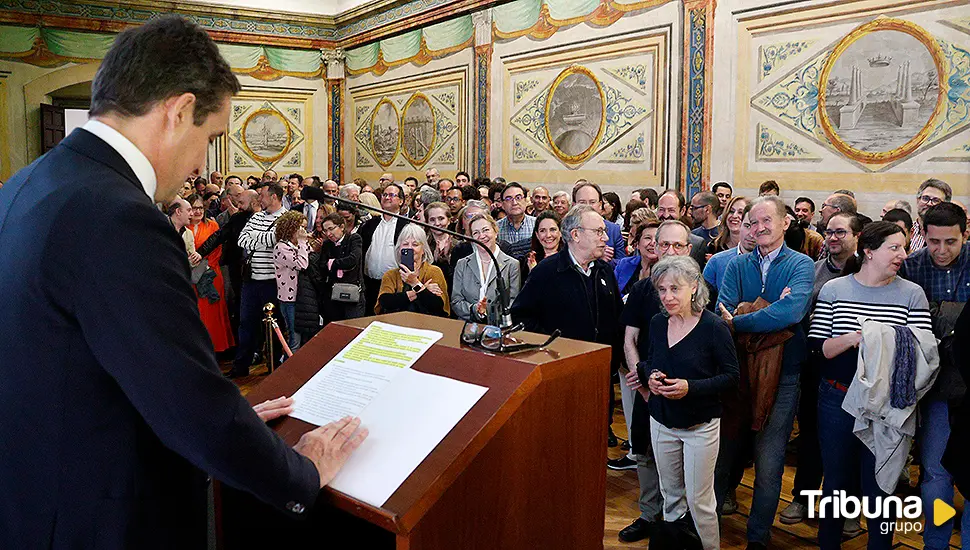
column 476, row 204
column 574, row 218
column 346, row 189
column 417, row 233
column 428, row 195
column 774, row 200
column 558, row 194
column 904, row 205
column 937, row 184
column 844, row 203
column 685, row 269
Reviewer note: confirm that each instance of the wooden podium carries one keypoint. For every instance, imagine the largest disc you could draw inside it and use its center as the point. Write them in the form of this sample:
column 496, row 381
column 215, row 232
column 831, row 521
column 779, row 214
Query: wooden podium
column 525, row 468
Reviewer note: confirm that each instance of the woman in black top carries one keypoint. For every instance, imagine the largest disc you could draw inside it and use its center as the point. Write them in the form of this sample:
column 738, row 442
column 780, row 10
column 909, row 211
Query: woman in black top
column 339, row 261
column 691, row 362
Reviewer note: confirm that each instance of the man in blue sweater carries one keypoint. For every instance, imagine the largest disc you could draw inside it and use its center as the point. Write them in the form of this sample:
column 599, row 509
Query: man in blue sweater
column 784, row 278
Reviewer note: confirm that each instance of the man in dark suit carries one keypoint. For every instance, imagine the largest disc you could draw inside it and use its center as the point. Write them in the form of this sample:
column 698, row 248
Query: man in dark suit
column 112, row 402
column 379, row 235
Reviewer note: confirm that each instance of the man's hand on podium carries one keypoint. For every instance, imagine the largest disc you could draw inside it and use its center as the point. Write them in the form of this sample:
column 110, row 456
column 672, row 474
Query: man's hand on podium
column 330, row 446
column 274, row 408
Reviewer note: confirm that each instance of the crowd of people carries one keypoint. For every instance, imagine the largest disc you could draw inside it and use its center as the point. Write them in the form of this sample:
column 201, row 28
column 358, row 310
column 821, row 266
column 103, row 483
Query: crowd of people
column 729, row 317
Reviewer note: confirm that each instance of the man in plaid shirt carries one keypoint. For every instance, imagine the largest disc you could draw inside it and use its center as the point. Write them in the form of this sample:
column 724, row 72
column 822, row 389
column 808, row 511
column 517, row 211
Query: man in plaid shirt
column 942, row 269
column 516, row 227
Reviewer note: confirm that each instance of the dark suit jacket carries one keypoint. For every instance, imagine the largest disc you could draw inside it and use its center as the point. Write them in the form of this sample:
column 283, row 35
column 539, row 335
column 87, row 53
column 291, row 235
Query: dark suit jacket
column 228, row 237
column 368, row 228
column 111, row 399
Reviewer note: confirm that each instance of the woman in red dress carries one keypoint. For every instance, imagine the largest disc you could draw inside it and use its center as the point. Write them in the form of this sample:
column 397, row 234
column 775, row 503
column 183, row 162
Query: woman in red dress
column 215, row 315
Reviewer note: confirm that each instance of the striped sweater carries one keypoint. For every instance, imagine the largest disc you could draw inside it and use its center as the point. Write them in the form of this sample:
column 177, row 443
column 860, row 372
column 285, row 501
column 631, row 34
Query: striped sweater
column 258, row 238
column 843, row 300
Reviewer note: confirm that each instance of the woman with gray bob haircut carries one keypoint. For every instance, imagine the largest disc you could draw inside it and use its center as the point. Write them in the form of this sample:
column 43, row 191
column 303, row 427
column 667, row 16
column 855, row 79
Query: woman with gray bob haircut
column 421, row 287
column 695, row 349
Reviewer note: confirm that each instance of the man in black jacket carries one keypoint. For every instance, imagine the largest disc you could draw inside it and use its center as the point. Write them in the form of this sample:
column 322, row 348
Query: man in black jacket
column 121, row 407
column 575, row 291
column 379, row 235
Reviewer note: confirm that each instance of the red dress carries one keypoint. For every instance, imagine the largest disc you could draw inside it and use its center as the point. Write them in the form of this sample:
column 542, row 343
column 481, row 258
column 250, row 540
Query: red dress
column 215, row 316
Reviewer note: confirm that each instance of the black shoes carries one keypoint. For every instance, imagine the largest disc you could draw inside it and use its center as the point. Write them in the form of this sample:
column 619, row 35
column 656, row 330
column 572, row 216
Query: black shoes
column 236, row 374
column 622, row 463
column 636, row 531
column 611, row 439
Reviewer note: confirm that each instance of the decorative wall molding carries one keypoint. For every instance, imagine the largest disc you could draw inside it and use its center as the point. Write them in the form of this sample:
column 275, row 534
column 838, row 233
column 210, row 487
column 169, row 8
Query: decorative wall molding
column 483, row 79
column 335, row 125
column 698, row 80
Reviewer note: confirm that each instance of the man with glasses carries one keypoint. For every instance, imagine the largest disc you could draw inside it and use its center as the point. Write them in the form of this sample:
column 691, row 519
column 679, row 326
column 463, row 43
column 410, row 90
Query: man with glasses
column 672, row 206
column 931, row 193
column 575, row 291
column 703, row 210
column 516, row 227
column 643, row 302
column 379, row 235
column 453, row 198
column 590, row 195
column 835, row 203
column 769, row 272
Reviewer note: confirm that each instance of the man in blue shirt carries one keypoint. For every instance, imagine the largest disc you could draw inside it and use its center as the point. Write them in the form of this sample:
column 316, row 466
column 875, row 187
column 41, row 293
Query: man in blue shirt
column 590, row 194
column 784, row 278
column 516, row 227
column 717, row 265
column 942, row 269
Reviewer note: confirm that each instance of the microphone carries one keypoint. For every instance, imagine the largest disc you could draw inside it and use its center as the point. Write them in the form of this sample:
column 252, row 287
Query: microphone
column 313, row 193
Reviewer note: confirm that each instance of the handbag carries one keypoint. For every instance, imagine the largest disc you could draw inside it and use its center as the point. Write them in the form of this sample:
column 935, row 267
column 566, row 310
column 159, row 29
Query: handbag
column 345, row 292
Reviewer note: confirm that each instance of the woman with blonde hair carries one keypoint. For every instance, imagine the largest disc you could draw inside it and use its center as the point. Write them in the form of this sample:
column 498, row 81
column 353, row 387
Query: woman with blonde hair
column 474, row 296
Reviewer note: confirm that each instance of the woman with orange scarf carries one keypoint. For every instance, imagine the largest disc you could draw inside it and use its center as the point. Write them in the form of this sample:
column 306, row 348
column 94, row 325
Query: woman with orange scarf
column 215, row 315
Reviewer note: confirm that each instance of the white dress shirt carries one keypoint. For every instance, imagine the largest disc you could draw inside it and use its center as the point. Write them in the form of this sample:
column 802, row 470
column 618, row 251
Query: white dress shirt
column 135, row 158
column 484, row 275
column 380, row 255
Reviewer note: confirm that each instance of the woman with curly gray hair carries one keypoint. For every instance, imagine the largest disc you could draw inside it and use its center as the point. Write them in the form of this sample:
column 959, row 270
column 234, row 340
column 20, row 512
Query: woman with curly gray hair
column 695, row 349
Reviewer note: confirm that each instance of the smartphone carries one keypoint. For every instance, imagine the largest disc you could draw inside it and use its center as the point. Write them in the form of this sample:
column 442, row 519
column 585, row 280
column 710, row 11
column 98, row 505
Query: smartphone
column 407, row 258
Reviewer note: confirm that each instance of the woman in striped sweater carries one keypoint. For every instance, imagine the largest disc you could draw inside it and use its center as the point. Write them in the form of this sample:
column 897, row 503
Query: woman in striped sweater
column 871, row 289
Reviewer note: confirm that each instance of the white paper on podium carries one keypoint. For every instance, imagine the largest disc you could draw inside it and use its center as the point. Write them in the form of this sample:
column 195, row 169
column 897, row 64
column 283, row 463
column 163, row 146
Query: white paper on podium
column 358, row 374
column 406, row 422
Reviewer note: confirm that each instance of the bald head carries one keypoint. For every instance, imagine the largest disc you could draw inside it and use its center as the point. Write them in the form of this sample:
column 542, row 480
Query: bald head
column 248, row 201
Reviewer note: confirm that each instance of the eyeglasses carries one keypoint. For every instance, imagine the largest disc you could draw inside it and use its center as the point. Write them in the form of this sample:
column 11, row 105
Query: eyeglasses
column 827, row 205
column 927, row 199
column 692, row 207
column 676, row 246
column 390, row 195
column 480, row 232
column 198, row 209
column 517, row 198
column 599, row 231
column 452, row 199
column 837, row 233
column 495, row 339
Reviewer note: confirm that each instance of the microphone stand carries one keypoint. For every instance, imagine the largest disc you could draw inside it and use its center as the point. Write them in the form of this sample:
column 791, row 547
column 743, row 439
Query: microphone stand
column 313, row 193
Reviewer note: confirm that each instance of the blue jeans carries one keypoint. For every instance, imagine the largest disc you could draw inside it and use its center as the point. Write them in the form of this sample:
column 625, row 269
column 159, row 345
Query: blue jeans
column 932, row 434
column 254, row 295
column 769, row 459
column 846, row 463
column 288, row 310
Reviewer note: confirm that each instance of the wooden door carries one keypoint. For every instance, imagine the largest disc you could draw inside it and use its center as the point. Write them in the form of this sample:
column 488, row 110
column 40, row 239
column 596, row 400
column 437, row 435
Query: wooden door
column 51, row 126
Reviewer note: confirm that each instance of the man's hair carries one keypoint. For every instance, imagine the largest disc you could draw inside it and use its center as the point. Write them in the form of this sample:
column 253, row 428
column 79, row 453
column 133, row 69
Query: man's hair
column 428, row 195
column 770, row 185
column 464, row 173
column 399, row 187
column 559, row 194
column 681, row 201
column 722, row 184
column 584, row 183
column 275, row 189
column 895, row 215
column 345, row 190
column 298, row 177
column 574, row 219
column 903, row 205
column 650, row 196
column 810, row 202
column 411, row 178
column 512, row 185
column 499, row 180
column 253, row 178
column 165, row 57
column 856, row 223
column 334, row 218
column 780, row 207
column 469, row 193
column 173, row 207
column 946, row 214
column 314, row 181
column 844, row 203
column 482, row 182
column 674, row 223
column 937, row 184
column 449, row 180
column 849, row 192
column 707, row 198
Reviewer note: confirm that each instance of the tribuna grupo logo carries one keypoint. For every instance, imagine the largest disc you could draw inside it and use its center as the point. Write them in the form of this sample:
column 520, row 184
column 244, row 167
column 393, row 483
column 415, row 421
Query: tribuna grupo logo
column 908, row 511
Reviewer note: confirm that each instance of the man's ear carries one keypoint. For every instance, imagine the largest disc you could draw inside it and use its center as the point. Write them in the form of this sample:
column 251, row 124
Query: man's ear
column 179, row 110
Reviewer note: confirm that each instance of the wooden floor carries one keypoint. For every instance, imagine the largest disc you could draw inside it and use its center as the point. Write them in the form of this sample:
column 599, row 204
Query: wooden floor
column 622, row 492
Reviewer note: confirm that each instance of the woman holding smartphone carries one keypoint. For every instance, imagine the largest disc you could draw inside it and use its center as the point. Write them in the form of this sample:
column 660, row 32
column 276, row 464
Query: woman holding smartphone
column 692, row 360
column 415, row 285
